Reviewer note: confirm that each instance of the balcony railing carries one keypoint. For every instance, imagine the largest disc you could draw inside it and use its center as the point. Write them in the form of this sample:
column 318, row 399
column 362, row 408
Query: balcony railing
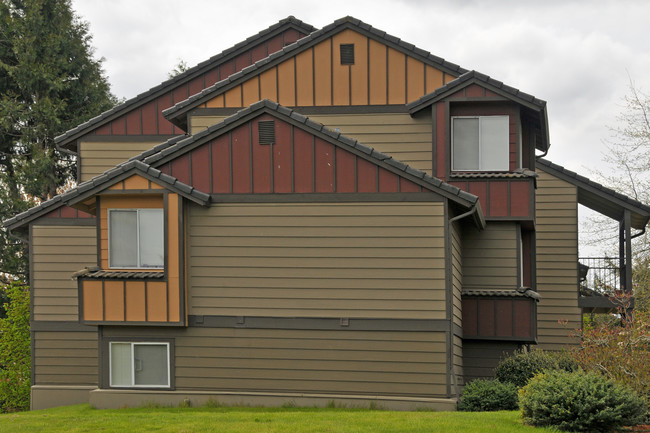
column 599, row 275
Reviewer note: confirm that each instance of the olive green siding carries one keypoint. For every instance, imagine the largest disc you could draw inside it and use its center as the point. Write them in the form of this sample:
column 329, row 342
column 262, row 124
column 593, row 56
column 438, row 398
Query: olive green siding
column 405, row 138
column 557, row 261
column 98, row 156
column 356, row 260
column 480, row 358
column 57, row 252
column 457, row 272
column 65, row 358
column 490, row 256
column 306, row 361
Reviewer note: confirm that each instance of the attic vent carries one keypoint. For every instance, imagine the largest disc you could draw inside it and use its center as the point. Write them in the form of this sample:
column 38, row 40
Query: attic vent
column 347, row 54
column 267, row 131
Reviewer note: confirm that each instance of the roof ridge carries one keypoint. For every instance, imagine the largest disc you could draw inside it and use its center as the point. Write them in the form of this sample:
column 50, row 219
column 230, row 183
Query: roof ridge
column 182, row 77
column 314, row 36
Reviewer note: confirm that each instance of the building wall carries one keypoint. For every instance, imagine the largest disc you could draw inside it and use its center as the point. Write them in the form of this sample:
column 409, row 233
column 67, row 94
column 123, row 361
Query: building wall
column 99, row 156
column 373, row 260
column 480, row 358
column 490, row 256
column 57, row 252
column 557, row 261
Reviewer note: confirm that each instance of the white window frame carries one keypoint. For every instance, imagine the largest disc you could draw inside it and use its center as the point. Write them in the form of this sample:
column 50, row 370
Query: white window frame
column 133, row 344
column 138, row 264
column 506, row 166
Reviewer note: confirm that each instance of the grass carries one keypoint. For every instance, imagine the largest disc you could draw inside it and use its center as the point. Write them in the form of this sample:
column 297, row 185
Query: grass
column 83, row 418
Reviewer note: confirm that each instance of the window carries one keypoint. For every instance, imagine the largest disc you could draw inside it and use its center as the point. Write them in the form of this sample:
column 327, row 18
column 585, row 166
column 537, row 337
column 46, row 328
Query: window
column 480, row 143
column 136, row 238
column 139, row 364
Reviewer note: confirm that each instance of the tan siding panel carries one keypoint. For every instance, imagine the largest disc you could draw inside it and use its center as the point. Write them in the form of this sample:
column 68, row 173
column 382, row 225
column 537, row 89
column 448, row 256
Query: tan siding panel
column 310, row 361
column 68, row 358
column 58, row 252
column 557, row 261
column 250, row 259
column 490, row 256
column 97, row 157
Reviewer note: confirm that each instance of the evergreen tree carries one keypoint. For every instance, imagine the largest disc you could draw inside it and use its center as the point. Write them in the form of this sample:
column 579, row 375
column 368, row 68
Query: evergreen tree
column 49, row 83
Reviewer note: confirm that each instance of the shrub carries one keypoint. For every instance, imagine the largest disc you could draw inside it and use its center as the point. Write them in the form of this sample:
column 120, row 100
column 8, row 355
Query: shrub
column 15, row 355
column 579, row 401
column 487, row 395
column 619, row 350
column 521, row 366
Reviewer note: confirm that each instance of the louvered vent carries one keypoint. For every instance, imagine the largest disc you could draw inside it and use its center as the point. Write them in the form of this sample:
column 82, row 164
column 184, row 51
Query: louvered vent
column 267, row 131
column 347, row 54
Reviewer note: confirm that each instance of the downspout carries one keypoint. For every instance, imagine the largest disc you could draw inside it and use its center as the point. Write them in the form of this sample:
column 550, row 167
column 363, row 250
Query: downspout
column 636, row 235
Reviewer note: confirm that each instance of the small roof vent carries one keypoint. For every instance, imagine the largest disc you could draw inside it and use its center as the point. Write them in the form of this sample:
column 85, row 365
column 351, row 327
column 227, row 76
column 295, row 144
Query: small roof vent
column 347, row 54
column 267, row 131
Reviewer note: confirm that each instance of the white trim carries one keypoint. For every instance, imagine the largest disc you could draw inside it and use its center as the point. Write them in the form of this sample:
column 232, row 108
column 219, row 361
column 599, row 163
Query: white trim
column 480, row 161
column 137, row 237
column 132, row 345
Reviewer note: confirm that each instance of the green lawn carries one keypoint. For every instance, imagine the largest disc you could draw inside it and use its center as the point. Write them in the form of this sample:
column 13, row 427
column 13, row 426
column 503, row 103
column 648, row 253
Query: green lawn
column 82, row 418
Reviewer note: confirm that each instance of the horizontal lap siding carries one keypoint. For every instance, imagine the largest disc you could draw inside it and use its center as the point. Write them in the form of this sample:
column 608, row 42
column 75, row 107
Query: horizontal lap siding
column 557, row 261
column 405, row 138
column 97, row 157
column 338, row 362
column 65, row 358
column 376, row 260
column 58, row 252
column 490, row 257
column 457, row 272
column 200, row 123
column 480, row 358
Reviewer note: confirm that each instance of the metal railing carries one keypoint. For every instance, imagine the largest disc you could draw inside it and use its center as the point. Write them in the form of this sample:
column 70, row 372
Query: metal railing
column 600, row 275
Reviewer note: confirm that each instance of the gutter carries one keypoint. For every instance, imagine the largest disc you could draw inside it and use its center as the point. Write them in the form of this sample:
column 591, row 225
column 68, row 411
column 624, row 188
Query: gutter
column 478, row 216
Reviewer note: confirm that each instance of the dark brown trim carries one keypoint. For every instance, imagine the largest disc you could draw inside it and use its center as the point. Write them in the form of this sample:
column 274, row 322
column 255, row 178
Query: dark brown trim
column 318, row 323
column 79, row 162
column 447, row 127
column 165, row 244
column 449, row 300
column 519, row 250
column 181, row 258
column 326, row 197
column 98, row 217
column 30, row 277
column 434, row 150
column 80, row 301
column 127, row 138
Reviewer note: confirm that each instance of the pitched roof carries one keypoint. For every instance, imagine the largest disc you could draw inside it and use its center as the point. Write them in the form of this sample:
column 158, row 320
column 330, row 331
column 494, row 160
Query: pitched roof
column 103, row 181
column 598, row 197
column 175, row 114
column 496, row 86
column 190, row 74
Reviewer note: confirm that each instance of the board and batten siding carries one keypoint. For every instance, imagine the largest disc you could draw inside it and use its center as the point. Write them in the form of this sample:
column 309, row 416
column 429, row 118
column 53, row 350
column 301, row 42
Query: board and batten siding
column 65, row 358
column 557, row 261
column 490, row 256
column 405, row 138
column 98, row 156
column 356, row 260
column 342, row 362
column 58, row 251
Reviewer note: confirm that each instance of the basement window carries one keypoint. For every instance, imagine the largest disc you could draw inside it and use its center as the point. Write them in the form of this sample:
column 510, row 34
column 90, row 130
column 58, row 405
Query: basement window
column 347, row 54
column 135, row 365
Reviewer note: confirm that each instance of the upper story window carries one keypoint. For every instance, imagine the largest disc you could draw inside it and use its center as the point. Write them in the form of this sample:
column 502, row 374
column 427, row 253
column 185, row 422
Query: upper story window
column 480, row 143
column 136, row 238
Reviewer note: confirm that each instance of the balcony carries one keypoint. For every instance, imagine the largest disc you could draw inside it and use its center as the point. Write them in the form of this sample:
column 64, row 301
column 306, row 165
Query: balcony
column 600, row 281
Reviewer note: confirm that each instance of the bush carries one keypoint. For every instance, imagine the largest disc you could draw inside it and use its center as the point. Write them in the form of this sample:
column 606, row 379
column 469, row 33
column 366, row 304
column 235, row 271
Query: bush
column 487, row 395
column 579, row 401
column 521, row 366
column 619, row 350
column 15, row 357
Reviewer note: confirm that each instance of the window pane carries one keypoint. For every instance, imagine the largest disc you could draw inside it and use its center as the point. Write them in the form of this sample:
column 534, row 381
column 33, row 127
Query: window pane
column 494, row 143
column 121, row 364
column 151, row 367
column 151, row 238
column 123, row 243
column 465, row 144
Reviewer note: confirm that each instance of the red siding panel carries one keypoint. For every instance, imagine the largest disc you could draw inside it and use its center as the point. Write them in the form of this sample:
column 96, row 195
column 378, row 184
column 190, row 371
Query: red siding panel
column 274, row 44
column 221, row 165
column 504, row 317
column 366, row 176
column 282, row 169
column 290, row 36
column 211, row 77
column 164, row 127
column 133, row 123
column 498, row 199
column 261, row 163
column 201, row 168
column 196, row 85
column 118, row 126
column 164, row 169
column 474, row 91
column 81, row 214
column 522, row 313
column 149, row 116
column 520, row 199
column 480, row 189
column 181, row 168
column 470, row 317
column 324, row 166
column 242, row 61
column 226, row 70
column 259, row 52
column 406, row 185
column 345, row 171
column 104, row 130
column 241, row 160
column 68, row 212
column 180, row 94
column 388, row 182
column 303, row 160
column 486, row 318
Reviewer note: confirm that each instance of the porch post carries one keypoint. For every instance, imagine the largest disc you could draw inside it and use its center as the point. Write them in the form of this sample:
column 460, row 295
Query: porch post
column 627, row 288
column 621, row 254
